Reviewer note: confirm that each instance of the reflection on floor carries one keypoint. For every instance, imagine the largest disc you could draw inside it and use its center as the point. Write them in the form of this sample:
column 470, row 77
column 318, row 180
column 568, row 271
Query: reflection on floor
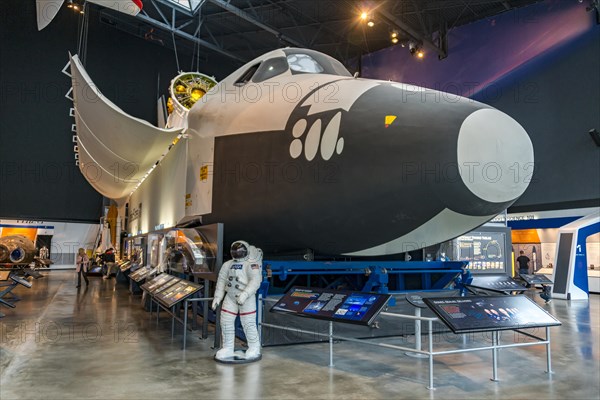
column 98, row 342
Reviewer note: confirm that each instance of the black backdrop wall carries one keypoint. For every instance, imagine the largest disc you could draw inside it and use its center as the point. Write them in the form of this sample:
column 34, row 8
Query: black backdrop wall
column 38, row 176
column 557, row 100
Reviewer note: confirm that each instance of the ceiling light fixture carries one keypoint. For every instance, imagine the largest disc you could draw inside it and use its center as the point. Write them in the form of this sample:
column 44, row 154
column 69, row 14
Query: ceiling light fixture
column 415, row 49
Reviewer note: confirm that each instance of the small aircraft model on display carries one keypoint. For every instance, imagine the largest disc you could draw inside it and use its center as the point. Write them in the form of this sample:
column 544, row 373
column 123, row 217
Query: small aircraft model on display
column 292, row 152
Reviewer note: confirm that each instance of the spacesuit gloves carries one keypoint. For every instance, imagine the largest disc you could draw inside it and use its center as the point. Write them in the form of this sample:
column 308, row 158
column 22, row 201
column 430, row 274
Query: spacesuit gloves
column 242, row 298
column 215, row 303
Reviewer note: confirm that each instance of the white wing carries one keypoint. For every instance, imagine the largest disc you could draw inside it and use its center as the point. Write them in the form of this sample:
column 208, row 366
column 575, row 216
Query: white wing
column 116, row 150
column 46, row 11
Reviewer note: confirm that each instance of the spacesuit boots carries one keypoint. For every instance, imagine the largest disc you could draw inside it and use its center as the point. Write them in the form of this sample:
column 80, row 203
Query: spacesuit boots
column 251, row 332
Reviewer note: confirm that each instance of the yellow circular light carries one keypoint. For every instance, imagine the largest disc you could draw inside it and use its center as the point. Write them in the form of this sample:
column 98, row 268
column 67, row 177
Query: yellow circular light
column 363, row 15
column 394, row 35
column 395, row 40
column 420, row 54
column 370, row 24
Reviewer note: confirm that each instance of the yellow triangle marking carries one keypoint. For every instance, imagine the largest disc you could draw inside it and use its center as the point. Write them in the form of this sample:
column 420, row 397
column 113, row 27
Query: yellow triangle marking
column 389, row 119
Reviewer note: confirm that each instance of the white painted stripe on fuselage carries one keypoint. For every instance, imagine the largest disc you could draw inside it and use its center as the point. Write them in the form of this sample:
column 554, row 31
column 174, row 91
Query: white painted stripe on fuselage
column 445, row 225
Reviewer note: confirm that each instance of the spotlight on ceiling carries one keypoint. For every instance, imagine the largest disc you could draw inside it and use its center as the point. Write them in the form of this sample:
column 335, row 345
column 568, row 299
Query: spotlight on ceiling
column 364, row 15
column 395, row 40
column 370, row 23
column 415, row 49
column 70, row 4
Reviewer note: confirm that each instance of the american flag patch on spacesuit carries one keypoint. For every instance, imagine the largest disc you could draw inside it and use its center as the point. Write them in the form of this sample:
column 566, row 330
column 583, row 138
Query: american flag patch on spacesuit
column 255, row 266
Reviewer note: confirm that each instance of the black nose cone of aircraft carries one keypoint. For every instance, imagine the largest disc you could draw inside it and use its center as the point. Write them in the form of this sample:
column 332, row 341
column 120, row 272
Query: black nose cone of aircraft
column 402, row 168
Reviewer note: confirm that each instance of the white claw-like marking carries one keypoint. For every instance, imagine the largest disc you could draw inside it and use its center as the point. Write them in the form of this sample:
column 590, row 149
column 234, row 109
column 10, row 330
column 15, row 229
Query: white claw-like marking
column 296, row 148
column 330, row 137
column 340, row 146
column 311, row 144
column 299, row 128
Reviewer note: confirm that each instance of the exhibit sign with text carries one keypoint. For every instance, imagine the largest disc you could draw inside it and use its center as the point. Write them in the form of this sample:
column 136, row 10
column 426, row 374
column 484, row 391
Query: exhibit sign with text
column 490, row 313
column 332, row 305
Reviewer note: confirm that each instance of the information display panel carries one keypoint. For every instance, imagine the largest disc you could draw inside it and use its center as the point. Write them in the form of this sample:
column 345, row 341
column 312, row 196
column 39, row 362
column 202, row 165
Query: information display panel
column 141, row 274
column 497, row 283
column 536, row 279
column 177, row 292
column 483, row 250
column 490, row 313
column 158, row 282
column 167, row 285
column 125, row 266
column 332, row 305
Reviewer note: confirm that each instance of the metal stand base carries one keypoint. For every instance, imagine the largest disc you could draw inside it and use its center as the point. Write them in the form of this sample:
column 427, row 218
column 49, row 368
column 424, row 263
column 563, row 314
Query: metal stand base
column 238, row 358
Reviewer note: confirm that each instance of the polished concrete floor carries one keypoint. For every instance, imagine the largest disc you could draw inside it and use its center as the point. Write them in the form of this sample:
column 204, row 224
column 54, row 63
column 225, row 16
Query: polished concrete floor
column 98, row 343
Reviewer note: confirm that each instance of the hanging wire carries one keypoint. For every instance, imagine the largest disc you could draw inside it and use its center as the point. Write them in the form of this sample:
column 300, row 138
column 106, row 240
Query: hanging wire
column 198, row 42
column 83, row 28
column 193, row 58
column 175, row 48
column 196, row 53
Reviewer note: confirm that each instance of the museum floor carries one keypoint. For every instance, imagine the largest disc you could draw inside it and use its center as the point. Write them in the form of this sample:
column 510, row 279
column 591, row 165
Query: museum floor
column 61, row 343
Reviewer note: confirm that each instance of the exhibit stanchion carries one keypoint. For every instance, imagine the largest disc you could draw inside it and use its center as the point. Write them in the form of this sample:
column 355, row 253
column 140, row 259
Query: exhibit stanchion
column 185, row 320
column 331, row 344
column 157, row 310
column 172, row 322
column 205, row 309
column 430, row 348
column 548, row 352
column 495, row 356
column 186, row 308
column 417, row 336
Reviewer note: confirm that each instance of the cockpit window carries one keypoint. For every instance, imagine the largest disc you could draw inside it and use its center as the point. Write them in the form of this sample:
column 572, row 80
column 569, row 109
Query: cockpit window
column 304, row 63
column 270, row 68
column 245, row 78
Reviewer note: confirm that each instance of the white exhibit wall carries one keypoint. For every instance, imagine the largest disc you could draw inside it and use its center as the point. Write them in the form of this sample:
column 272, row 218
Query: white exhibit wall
column 593, row 250
column 159, row 202
column 548, row 238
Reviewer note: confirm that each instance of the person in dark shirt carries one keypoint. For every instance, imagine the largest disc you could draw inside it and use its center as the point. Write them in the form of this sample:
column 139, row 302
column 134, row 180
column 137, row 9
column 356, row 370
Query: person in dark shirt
column 523, row 261
column 109, row 259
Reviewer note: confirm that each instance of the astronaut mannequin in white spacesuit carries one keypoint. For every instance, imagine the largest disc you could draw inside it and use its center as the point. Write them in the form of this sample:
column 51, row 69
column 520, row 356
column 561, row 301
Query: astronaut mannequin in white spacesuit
column 238, row 281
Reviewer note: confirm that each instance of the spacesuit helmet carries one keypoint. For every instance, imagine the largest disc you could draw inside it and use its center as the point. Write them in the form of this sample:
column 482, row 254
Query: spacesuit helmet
column 240, row 250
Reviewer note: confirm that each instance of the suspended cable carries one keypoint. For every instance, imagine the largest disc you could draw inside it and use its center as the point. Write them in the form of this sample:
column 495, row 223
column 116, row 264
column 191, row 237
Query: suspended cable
column 83, row 28
column 198, row 43
column 175, row 48
column 193, row 58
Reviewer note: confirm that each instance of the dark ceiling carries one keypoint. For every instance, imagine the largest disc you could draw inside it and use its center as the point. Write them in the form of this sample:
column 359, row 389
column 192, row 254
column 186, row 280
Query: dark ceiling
column 240, row 30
